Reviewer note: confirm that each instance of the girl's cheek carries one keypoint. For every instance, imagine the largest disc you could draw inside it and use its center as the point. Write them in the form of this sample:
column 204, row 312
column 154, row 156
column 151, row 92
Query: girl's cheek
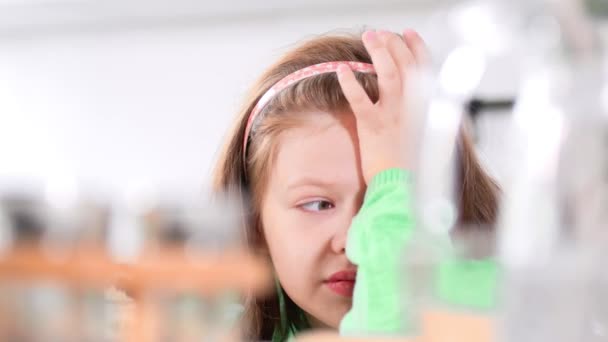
column 315, row 222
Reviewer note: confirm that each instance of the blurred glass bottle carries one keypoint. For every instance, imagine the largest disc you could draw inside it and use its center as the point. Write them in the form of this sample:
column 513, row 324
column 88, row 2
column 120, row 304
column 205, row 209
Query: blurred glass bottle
column 449, row 286
column 91, row 218
column 193, row 230
column 476, row 37
column 547, row 276
column 545, row 283
column 40, row 300
column 436, row 274
column 583, row 164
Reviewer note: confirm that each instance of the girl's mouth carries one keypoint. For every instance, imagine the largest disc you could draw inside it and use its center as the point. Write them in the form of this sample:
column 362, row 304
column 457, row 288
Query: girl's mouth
column 342, row 282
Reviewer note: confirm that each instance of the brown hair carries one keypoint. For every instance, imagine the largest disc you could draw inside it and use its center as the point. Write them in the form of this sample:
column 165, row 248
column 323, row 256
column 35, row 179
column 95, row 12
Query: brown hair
column 247, row 175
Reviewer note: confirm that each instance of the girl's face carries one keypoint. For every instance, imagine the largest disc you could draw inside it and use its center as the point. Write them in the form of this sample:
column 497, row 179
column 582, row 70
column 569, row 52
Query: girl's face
column 314, row 189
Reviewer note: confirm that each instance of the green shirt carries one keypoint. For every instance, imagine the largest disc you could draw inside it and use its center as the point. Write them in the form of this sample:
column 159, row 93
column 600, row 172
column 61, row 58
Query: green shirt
column 377, row 235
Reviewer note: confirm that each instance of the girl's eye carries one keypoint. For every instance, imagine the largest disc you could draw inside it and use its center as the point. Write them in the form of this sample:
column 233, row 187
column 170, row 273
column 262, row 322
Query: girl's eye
column 317, row 205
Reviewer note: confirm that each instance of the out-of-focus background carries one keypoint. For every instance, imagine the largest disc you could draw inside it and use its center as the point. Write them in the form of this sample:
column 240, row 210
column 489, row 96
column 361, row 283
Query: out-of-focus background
column 128, row 93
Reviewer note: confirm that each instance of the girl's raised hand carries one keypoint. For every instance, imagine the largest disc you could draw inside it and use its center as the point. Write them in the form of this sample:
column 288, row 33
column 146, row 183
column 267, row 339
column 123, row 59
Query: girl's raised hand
column 381, row 126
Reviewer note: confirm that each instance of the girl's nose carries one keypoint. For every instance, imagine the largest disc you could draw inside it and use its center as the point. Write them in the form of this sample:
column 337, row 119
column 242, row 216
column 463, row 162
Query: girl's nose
column 338, row 242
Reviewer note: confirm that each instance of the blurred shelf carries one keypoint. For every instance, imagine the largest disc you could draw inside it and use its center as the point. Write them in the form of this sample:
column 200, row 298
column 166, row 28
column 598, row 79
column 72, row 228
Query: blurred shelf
column 160, row 269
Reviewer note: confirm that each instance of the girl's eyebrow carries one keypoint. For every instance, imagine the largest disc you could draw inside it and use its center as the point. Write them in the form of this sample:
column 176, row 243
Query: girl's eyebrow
column 310, row 181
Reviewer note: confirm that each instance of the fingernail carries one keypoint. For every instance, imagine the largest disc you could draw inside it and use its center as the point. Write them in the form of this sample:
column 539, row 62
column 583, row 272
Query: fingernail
column 409, row 33
column 370, row 36
column 384, row 35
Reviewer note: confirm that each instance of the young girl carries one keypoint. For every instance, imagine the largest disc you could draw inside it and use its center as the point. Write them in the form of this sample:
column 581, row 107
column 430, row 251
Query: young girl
column 317, row 150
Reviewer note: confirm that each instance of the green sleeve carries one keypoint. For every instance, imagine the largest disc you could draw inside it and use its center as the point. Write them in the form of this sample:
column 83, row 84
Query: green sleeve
column 375, row 243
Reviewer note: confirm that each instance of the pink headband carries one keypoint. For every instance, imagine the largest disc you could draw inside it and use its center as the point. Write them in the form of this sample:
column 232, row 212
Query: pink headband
column 317, row 69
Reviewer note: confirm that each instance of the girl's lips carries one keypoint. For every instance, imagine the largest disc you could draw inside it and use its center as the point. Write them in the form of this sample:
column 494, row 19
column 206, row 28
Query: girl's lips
column 343, row 282
column 343, row 288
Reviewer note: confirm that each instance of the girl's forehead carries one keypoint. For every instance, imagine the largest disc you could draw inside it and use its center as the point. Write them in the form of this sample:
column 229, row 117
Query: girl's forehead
column 322, row 145
column 316, row 130
column 318, row 122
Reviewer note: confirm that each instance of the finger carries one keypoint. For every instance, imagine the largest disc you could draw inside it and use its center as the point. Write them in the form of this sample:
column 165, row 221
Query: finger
column 389, row 79
column 356, row 96
column 401, row 54
column 417, row 46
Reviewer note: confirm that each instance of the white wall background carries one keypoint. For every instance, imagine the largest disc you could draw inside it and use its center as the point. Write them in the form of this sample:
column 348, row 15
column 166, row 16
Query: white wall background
column 143, row 92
